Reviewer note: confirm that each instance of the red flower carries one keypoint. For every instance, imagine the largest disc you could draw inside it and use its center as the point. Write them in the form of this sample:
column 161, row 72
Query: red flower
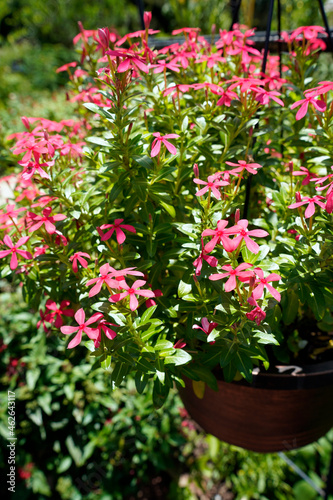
column 206, row 327
column 232, row 273
column 104, row 277
column 83, row 327
column 304, row 103
column 263, row 282
column 213, row 184
column 310, row 210
column 116, row 226
column 257, row 314
column 159, row 139
column 242, row 165
column 212, row 261
column 13, row 249
column 57, row 312
column 131, row 292
column 179, row 344
column 220, row 235
column 130, row 60
column 105, row 326
column 244, row 234
column 46, row 219
column 78, row 256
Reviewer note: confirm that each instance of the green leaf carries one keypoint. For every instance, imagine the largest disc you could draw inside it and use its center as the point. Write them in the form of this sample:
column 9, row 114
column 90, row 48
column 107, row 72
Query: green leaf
column 147, row 315
column 265, row 338
column 316, row 301
column 160, row 393
column 119, row 373
column 74, row 451
column 180, row 357
column 184, row 289
column 99, row 141
column 144, row 161
column 244, row 365
column 168, row 208
column 290, row 303
column 32, row 377
column 141, row 380
column 200, row 372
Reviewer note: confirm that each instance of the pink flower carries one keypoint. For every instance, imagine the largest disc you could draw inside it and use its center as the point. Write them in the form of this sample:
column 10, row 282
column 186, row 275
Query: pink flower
column 78, row 256
column 104, row 277
column 308, row 175
column 262, row 282
column 83, row 327
column 179, row 344
column 244, row 234
column 43, row 316
column 212, row 261
column 131, row 292
column 220, row 235
column 263, row 96
column 104, row 326
column 159, row 139
column 13, row 249
column 11, row 213
column 232, row 273
column 57, row 312
column 46, row 219
column 30, row 169
column 257, row 314
column 120, row 274
column 116, row 226
column 310, row 210
column 242, row 165
column 130, row 60
column 213, row 184
column 206, row 327
column 304, row 103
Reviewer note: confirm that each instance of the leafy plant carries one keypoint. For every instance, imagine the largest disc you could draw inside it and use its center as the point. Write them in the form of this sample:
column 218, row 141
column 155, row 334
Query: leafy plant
column 129, row 219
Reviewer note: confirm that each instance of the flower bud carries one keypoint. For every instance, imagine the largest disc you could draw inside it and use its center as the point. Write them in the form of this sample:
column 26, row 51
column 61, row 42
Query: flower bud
column 25, row 122
column 147, row 18
column 298, row 197
column 104, row 37
column 196, row 170
column 329, row 203
column 252, row 281
column 291, row 166
column 237, row 215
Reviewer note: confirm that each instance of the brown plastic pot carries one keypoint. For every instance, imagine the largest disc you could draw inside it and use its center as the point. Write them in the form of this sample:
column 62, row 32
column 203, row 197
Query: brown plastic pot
column 277, row 412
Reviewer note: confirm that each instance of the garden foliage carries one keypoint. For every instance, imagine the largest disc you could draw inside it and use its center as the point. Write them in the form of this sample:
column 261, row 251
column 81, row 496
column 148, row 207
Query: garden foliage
column 183, row 220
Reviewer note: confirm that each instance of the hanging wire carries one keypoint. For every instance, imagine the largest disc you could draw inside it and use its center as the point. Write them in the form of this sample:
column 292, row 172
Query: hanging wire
column 235, row 6
column 141, row 11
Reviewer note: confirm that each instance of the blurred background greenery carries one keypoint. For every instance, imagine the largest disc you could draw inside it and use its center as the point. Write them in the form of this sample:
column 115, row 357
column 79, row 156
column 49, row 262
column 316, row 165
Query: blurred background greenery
column 76, row 439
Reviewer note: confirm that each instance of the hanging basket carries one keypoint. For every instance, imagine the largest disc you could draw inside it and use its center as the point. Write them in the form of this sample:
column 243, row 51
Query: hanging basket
column 277, row 412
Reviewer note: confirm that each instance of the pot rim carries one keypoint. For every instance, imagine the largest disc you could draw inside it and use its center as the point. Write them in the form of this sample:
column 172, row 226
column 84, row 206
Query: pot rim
column 298, row 377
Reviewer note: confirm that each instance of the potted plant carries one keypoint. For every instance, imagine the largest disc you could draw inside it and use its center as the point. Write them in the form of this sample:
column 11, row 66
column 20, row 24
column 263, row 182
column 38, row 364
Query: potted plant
column 180, row 227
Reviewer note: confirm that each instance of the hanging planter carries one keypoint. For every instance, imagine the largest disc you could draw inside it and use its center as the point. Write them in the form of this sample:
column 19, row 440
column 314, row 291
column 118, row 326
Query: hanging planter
column 277, row 412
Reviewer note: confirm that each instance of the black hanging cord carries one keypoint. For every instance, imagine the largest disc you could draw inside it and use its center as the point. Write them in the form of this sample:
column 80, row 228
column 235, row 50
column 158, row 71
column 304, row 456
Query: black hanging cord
column 279, row 36
column 235, row 6
column 328, row 31
column 263, row 71
column 268, row 34
column 141, row 11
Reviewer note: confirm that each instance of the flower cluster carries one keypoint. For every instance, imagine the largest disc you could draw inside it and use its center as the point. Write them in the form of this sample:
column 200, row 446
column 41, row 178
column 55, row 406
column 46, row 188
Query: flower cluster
column 183, row 220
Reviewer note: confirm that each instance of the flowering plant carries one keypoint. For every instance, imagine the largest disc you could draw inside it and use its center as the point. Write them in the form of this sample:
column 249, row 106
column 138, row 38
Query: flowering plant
column 183, row 219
